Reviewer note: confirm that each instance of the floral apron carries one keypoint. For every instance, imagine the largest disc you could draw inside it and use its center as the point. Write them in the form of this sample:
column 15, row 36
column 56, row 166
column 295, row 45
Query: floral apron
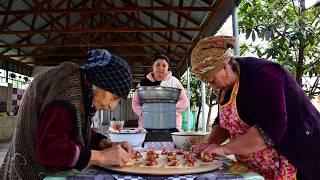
column 266, row 162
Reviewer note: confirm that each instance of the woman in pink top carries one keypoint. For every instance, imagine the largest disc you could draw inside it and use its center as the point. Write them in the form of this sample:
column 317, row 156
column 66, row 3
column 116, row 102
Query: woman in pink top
column 160, row 76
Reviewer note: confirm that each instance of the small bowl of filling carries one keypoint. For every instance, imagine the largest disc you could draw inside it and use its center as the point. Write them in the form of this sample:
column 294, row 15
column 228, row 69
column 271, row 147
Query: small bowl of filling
column 184, row 140
column 134, row 136
column 117, row 125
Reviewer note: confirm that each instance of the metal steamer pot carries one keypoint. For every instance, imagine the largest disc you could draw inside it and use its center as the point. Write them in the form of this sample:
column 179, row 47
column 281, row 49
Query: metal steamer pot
column 158, row 94
column 158, row 106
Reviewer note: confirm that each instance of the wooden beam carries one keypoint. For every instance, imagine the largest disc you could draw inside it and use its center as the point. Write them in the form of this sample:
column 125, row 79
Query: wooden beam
column 102, row 10
column 81, row 62
column 166, row 24
column 8, row 59
column 99, row 30
column 82, row 44
column 215, row 12
column 158, row 33
column 82, row 54
column 181, row 14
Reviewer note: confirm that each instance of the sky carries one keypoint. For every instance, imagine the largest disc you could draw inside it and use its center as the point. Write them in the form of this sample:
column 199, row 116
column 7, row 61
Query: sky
column 310, row 3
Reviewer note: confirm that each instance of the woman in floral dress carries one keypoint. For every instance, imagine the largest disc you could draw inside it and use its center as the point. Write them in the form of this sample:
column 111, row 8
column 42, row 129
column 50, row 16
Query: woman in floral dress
column 273, row 127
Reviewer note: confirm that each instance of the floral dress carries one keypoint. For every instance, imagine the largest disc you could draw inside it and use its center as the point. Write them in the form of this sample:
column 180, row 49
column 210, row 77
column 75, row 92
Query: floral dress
column 266, row 162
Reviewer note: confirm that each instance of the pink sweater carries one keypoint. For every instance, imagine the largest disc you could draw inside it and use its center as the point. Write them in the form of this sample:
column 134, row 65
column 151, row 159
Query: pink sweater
column 169, row 81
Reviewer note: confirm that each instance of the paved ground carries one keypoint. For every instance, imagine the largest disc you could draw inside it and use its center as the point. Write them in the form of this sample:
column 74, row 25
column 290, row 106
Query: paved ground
column 4, row 146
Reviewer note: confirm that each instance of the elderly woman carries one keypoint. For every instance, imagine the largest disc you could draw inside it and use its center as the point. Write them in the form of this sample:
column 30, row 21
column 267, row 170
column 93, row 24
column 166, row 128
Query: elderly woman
column 160, row 76
column 53, row 129
column 273, row 127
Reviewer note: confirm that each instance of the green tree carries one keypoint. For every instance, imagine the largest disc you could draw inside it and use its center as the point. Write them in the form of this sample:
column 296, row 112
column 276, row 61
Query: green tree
column 195, row 91
column 292, row 35
column 195, row 96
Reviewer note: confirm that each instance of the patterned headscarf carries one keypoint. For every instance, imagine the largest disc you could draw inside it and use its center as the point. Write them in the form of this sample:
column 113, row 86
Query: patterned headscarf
column 210, row 54
column 108, row 72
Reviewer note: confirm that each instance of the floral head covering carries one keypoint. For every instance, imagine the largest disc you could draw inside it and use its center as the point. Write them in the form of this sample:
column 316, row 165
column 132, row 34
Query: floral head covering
column 210, row 54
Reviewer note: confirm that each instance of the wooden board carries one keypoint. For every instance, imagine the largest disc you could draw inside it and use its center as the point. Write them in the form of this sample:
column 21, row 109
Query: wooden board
column 135, row 169
column 163, row 170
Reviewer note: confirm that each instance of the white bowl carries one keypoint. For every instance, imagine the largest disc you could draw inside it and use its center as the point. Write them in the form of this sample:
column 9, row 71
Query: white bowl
column 184, row 140
column 134, row 139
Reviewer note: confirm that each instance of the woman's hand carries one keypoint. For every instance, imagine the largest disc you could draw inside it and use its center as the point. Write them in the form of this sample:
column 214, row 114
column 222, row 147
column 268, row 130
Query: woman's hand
column 126, row 146
column 197, row 149
column 215, row 149
column 105, row 143
column 114, row 156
